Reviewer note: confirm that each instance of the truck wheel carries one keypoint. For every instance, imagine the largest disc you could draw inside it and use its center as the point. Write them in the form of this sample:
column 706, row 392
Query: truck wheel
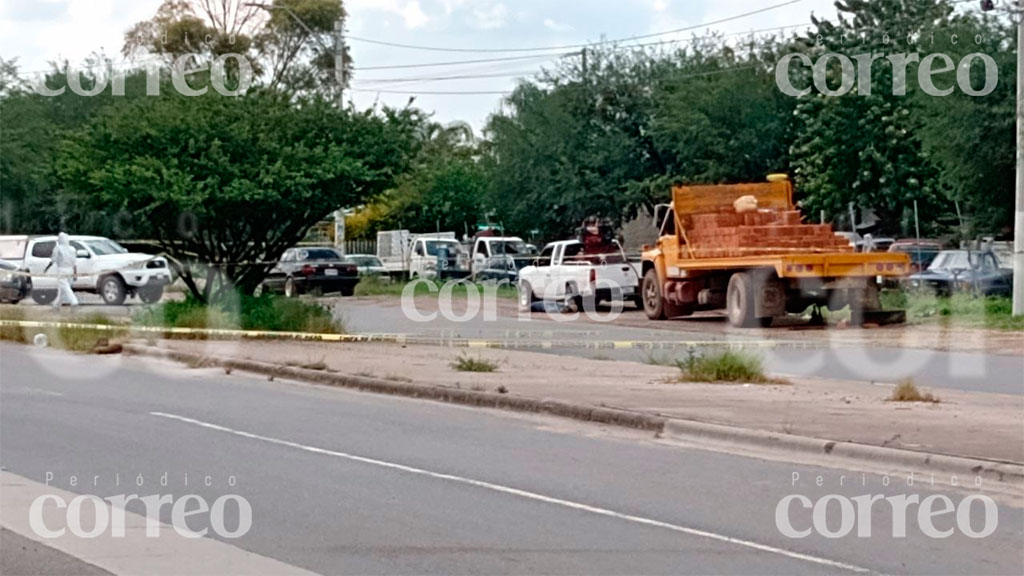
column 525, row 296
column 44, row 297
column 151, row 294
column 573, row 300
column 739, row 301
column 653, row 302
column 113, row 291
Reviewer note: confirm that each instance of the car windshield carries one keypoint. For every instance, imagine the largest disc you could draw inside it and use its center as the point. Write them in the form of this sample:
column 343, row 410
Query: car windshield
column 435, row 246
column 318, row 254
column 367, row 261
column 951, row 260
column 510, row 247
column 920, row 256
column 104, row 247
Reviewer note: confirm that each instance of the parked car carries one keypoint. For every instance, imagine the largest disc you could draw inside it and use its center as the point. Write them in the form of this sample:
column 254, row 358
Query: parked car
column 566, row 272
column 965, row 271
column 15, row 283
column 104, row 268
column 312, row 270
column 369, row 266
column 922, row 252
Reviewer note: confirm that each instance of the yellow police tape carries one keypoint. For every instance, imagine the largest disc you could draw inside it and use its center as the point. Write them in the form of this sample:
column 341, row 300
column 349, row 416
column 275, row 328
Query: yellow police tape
column 444, row 341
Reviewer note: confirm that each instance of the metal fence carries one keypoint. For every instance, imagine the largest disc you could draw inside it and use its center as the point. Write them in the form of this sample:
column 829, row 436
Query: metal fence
column 365, row 246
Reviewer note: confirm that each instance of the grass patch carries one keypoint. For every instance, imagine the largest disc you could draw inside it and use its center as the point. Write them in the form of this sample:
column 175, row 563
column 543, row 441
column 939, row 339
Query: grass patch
column 724, row 366
column 906, row 391
column 466, row 363
column 963, row 310
column 72, row 338
column 267, row 312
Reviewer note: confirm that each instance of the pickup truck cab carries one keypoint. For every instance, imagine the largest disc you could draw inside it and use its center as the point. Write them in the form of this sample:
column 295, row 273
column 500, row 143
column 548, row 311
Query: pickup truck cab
column 500, row 257
column 566, row 272
column 975, row 272
column 104, row 268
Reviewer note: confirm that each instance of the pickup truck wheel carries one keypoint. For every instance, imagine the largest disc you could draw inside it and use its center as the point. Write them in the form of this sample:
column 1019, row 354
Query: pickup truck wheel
column 739, row 299
column 44, row 297
column 653, row 302
column 113, row 291
column 525, row 296
column 151, row 294
column 573, row 300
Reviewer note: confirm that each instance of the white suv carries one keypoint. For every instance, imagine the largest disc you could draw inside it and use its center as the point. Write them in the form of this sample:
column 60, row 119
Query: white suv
column 104, row 268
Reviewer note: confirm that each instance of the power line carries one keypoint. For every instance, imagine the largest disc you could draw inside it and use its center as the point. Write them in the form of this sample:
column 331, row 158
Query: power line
column 433, row 64
column 578, row 46
column 436, row 93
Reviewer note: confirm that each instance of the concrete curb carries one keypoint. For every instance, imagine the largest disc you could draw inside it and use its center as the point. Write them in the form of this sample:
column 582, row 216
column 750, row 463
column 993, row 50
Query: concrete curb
column 965, row 468
column 444, row 394
column 691, row 431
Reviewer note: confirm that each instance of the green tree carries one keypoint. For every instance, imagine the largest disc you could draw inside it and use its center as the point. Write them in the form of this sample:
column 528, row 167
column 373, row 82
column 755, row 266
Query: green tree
column 231, row 182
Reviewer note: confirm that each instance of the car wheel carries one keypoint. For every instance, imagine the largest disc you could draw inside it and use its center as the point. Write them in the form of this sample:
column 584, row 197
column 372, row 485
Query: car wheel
column 289, row 288
column 348, row 291
column 525, row 296
column 113, row 291
column 44, row 297
column 151, row 294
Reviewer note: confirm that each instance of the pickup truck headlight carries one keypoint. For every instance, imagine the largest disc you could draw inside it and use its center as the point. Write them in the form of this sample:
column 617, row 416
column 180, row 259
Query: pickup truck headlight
column 6, row 276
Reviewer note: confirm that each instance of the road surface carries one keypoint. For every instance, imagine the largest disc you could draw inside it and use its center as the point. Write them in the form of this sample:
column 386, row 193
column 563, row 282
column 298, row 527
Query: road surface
column 344, row 482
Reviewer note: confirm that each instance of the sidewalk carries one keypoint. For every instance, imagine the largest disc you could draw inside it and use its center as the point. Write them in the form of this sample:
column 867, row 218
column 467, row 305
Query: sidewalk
column 968, row 424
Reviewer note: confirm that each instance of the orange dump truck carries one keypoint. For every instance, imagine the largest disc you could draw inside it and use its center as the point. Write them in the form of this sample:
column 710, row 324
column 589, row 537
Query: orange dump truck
column 745, row 248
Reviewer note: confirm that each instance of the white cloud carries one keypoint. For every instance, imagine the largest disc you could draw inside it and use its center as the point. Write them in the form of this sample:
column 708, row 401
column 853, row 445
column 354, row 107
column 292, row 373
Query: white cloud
column 552, row 25
column 660, row 5
column 411, row 12
column 490, row 17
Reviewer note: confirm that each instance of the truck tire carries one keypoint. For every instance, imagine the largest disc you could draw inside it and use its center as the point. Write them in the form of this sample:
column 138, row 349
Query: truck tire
column 654, row 303
column 151, row 294
column 525, row 296
column 112, row 290
column 739, row 301
column 44, row 297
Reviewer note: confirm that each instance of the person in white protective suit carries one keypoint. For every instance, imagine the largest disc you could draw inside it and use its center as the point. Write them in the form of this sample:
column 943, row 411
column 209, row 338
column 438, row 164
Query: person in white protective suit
column 63, row 260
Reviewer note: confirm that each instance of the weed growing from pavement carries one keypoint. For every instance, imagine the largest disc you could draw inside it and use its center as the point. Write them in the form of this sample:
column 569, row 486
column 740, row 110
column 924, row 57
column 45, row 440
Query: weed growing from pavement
column 724, row 366
column 318, row 365
column 906, row 391
column 466, row 363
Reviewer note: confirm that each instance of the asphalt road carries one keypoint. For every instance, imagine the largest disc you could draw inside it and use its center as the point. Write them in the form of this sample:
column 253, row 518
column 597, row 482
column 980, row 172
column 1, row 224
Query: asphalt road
column 343, row 482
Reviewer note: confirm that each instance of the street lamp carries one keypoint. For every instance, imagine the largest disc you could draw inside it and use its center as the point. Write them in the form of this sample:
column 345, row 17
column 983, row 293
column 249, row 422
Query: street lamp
column 339, row 44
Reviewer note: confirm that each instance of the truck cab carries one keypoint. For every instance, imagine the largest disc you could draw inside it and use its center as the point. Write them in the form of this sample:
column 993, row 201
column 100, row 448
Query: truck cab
column 499, row 257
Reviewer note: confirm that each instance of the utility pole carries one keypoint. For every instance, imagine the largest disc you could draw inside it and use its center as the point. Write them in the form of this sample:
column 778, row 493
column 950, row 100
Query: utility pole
column 583, row 56
column 1018, row 222
column 339, row 59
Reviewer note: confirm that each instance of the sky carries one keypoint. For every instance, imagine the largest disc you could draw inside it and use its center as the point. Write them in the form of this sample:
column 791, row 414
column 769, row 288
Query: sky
column 39, row 31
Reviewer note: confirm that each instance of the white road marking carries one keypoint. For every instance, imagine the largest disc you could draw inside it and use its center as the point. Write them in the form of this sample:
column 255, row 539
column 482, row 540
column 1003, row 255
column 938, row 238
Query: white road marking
column 523, row 494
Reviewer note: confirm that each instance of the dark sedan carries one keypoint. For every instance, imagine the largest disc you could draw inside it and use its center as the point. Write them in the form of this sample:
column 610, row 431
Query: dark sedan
column 312, row 270
column 965, row 271
column 15, row 284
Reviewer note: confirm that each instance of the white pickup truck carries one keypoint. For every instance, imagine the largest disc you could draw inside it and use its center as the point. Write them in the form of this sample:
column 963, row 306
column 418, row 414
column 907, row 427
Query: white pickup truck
column 566, row 272
column 420, row 255
column 104, row 267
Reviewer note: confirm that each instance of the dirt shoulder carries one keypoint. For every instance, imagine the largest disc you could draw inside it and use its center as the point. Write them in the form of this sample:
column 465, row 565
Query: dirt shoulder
column 977, row 425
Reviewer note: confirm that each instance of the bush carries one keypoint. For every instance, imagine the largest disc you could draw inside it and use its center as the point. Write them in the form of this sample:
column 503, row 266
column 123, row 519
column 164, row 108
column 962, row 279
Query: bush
column 906, row 391
column 724, row 366
column 266, row 312
column 465, row 363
